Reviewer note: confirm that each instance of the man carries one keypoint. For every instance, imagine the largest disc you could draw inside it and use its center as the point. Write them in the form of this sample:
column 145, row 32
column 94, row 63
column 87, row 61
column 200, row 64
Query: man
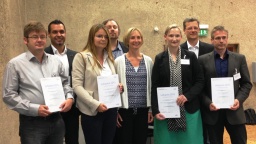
column 57, row 34
column 219, row 64
column 118, row 48
column 191, row 30
column 23, row 93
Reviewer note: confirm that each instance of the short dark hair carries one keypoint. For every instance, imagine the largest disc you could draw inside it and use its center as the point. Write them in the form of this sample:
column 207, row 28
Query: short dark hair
column 218, row 28
column 106, row 21
column 33, row 26
column 189, row 20
column 55, row 22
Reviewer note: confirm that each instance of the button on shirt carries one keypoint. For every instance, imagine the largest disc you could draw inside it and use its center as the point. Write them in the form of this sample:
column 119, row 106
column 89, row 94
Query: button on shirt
column 194, row 49
column 22, row 89
column 118, row 51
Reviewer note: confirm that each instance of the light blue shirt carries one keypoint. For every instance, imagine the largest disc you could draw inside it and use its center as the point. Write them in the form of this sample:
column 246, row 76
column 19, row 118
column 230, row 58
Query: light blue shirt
column 22, row 89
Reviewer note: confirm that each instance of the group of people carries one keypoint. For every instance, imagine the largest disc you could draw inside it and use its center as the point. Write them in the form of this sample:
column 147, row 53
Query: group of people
column 189, row 66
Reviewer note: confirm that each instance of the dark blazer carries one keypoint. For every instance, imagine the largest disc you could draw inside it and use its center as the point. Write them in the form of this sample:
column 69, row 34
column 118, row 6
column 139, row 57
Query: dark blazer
column 192, row 80
column 124, row 48
column 203, row 47
column 70, row 54
column 242, row 87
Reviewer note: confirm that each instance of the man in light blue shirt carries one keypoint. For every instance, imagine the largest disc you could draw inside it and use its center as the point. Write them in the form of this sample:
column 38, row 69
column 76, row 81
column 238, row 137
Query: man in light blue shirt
column 22, row 91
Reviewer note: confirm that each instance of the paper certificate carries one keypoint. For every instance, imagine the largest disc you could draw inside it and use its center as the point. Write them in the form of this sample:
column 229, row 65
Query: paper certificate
column 222, row 92
column 109, row 92
column 53, row 93
column 167, row 97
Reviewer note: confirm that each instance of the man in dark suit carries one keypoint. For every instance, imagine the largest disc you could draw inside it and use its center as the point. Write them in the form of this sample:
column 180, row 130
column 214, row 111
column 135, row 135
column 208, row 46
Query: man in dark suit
column 118, row 48
column 219, row 64
column 191, row 30
column 57, row 34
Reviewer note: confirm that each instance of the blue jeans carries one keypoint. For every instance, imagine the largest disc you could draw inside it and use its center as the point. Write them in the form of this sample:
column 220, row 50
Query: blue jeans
column 40, row 130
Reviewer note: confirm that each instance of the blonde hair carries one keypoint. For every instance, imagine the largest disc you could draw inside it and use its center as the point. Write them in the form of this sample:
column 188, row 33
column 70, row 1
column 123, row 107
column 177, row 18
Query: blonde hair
column 127, row 35
column 90, row 46
column 173, row 26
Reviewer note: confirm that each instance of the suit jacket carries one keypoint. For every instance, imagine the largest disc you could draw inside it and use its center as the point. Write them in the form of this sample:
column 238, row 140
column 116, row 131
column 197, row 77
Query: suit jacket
column 203, row 47
column 124, row 48
column 192, row 80
column 85, row 82
column 70, row 54
column 242, row 87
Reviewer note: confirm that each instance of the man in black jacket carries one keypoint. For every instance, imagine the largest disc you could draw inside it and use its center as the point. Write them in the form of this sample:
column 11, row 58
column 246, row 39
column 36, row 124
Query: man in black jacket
column 57, row 34
column 191, row 30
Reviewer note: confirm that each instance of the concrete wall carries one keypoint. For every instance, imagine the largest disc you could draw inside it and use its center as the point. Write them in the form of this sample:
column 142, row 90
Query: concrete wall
column 79, row 15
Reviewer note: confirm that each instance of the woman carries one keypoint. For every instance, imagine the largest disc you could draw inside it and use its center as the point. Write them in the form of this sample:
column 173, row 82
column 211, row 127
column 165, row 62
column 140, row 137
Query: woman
column 180, row 68
column 98, row 122
column 134, row 70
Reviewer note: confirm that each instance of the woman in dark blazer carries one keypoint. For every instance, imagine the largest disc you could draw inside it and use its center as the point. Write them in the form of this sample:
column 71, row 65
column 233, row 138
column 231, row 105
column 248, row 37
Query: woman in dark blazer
column 177, row 67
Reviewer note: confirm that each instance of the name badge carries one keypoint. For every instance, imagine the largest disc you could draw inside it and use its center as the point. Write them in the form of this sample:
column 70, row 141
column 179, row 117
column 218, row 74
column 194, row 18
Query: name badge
column 237, row 76
column 185, row 61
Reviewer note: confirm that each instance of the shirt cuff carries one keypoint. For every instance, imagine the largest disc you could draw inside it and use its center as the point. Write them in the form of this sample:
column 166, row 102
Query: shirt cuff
column 33, row 109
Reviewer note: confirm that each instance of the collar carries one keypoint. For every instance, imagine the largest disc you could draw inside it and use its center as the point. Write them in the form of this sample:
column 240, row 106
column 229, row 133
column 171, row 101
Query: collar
column 196, row 46
column 55, row 51
column 31, row 57
column 217, row 55
column 118, row 47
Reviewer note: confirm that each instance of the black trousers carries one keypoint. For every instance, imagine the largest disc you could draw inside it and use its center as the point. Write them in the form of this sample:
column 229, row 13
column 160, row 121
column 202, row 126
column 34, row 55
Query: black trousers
column 99, row 129
column 41, row 130
column 237, row 133
column 134, row 128
column 71, row 120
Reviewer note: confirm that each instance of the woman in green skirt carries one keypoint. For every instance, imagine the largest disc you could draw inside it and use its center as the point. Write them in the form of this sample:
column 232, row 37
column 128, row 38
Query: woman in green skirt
column 176, row 67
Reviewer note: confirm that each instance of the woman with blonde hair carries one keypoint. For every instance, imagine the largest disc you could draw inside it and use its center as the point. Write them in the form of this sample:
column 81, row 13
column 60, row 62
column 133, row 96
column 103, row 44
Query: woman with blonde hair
column 176, row 67
column 134, row 70
column 98, row 122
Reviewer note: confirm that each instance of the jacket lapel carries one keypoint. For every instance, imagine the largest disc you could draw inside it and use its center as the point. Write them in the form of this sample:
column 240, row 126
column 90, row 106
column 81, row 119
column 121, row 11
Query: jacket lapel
column 231, row 65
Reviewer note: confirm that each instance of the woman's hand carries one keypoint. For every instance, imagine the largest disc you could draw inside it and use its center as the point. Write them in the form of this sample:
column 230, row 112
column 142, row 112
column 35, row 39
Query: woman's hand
column 121, row 88
column 150, row 117
column 181, row 100
column 160, row 116
column 102, row 108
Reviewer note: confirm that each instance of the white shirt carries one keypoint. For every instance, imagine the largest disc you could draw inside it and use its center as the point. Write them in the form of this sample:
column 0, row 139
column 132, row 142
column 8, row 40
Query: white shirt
column 194, row 49
column 63, row 58
column 106, row 71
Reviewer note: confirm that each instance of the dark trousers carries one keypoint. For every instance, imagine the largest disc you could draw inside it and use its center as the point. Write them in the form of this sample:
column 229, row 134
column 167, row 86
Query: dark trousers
column 237, row 133
column 40, row 130
column 134, row 128
column 71, row 120
column 99, row 129
column 205, row 134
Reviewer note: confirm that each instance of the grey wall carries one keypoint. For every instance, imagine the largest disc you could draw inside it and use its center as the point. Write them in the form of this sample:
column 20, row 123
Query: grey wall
column 79, row 15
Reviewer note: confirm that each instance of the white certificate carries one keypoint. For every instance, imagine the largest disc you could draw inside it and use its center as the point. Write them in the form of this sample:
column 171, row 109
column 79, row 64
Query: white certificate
column 109, row 93
column 222, row 92
column 53, row 93
column 167, row 105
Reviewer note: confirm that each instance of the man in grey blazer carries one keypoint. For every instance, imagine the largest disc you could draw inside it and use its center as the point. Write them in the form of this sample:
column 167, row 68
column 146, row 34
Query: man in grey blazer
column 57, row 34
column 191, row 30
column 224, row 63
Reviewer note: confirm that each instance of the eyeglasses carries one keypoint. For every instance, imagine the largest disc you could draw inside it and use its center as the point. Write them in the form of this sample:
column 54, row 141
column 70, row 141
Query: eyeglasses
column 37, row 37
column 102, row 36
